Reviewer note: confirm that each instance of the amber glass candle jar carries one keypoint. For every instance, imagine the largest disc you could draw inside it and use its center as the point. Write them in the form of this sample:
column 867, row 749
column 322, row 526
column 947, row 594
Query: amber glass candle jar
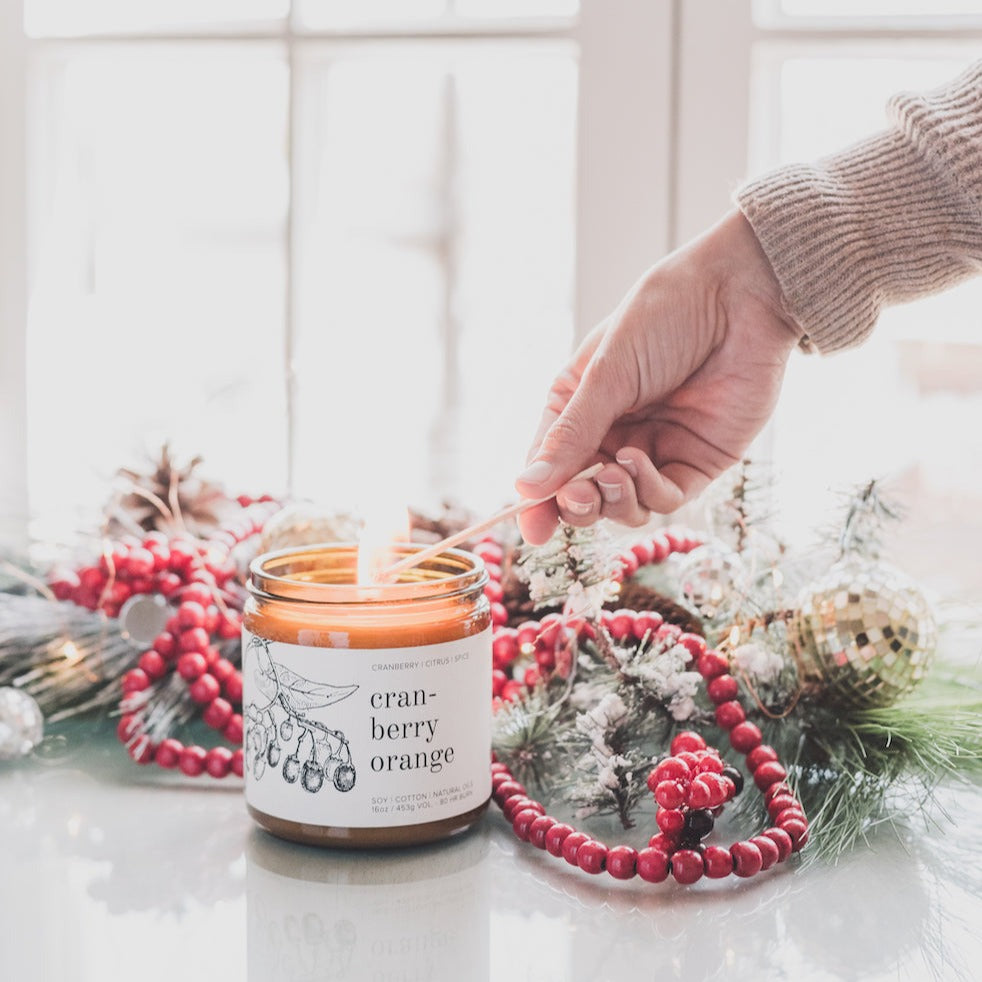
column 367, row 708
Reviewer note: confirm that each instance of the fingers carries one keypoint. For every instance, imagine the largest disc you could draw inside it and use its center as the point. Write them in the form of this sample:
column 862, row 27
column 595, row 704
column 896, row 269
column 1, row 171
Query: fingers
column 658, row 491
column 581, row 503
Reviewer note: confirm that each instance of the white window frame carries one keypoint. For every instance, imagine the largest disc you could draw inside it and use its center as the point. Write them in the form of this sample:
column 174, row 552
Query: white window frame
column 625, row 184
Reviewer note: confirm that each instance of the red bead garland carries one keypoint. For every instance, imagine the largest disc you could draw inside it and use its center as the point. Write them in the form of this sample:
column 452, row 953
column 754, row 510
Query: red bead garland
column 199, row 576
column 690, row 787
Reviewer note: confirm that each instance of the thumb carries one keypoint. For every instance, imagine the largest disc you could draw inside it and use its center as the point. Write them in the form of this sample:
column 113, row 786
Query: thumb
column 573, row 439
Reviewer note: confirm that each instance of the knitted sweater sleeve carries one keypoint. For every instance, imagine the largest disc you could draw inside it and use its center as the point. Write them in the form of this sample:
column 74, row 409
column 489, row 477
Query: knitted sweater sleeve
column 892, row 218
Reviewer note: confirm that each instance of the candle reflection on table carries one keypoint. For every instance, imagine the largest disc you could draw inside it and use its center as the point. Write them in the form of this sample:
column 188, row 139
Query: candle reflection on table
column 379, row 916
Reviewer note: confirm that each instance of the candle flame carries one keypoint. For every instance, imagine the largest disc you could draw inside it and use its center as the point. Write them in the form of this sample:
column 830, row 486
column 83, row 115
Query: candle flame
column 384, row 528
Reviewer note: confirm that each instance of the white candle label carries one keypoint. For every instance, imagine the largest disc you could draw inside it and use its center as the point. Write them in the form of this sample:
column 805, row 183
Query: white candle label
column 367, row 737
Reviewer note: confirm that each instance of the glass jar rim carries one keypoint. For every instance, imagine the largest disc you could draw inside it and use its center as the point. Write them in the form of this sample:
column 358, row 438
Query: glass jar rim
column 304, row 573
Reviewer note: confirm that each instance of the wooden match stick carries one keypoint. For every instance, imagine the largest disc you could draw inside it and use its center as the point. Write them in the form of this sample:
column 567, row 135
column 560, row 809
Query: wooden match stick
column 393, row 572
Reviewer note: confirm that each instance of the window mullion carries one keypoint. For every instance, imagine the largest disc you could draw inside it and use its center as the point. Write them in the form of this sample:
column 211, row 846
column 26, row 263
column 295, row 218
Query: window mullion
column 624, row 156
column 13, row 276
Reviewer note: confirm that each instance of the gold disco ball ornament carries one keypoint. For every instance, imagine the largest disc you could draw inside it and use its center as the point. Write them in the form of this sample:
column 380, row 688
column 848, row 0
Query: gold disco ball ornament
column 712, row 581
column 864, row 633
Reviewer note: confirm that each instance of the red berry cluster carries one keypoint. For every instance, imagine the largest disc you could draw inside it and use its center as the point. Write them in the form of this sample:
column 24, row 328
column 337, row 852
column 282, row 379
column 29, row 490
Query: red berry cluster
column 198, row 575
column 690, row 787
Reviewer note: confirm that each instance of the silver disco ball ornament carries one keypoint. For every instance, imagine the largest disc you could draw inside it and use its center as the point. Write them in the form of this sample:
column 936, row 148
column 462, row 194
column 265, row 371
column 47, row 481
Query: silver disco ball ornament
column 21, row 723
column 864, row 633
column 712, row 581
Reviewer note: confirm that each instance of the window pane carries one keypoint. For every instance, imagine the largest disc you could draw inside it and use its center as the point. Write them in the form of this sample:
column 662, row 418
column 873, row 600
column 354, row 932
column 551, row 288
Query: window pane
column 436, row 227
column 67, row 17
column 897, row 406
column 423, row 13
column 889, row 9
column 157, row 308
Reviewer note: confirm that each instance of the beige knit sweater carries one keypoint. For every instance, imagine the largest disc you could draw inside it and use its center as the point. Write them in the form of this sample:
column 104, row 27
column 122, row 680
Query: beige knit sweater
column 890, row 219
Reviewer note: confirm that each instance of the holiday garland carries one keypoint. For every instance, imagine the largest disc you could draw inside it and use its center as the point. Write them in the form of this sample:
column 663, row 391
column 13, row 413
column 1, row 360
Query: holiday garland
column 606, row 658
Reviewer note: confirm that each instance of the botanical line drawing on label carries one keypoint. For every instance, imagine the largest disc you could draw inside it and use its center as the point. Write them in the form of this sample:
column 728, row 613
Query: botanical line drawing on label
column 284, row 722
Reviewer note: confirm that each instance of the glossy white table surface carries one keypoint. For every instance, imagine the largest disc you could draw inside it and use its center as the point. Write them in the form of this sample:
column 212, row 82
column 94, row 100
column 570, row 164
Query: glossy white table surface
column 109, row 871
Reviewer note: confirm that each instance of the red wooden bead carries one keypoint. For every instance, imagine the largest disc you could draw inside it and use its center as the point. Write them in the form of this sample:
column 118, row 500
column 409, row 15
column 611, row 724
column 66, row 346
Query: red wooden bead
column 777, row 804
column 591, row 856
column 192, row 760
column 710, row 764
column 622, row 862
column 204, row 689
column 191, row 665
column 744, row 737
column 233, row 729
column 190, row 614
column 504, row 647
column 769, row 852
column 217, row 713
column 169, row 752
column 233, row 688
column 141, row 750
column 729, row 714
column 723, row 688
column 787, row 814
column 643, row 553
column 695, row 644
column 557, row 835
column 238, row 762
column 718, row 862
column 507, row 788
column 687, row 866
column 699, row 795
column 759, row 755
column 670, row 794
column 218, row 761
column 629, row 564
column 127, row 727
column 167, row 583
column 782, row 840
column 712, row 664
column 687, row 741
column 666, row 843
column 653, row 865
column 135, row 680
column 770, row 772
column 528, row 633
column 223, row 669
column 747, row 860
column 671, row 821
column 621, row 625
column 538, row 830
column 775, row 789
column 193, row 639
column 670, row 769
column 646, row 623
column 571, row 845
column 522, row 822
column 153, row 664
column 513, row 804
column 499, row 615
column 796, row 828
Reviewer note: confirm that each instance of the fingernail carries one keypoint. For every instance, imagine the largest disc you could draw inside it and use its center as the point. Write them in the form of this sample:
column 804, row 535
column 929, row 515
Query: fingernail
column 611, row 492
column 628, row 465
column 578, row 507
column 537, row 473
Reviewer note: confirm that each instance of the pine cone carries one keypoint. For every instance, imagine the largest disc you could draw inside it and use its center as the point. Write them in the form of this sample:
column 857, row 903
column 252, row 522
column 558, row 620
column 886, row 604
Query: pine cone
column 168, row 497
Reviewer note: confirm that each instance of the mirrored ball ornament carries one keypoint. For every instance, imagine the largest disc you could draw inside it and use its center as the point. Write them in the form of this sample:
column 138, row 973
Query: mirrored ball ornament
column 712, row 581
column 21, row 723
column 864, row 633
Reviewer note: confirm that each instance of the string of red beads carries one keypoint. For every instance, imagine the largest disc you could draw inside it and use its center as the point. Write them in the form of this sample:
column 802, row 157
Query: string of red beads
column 199, row 576
column 689, row 786
column 550, row 641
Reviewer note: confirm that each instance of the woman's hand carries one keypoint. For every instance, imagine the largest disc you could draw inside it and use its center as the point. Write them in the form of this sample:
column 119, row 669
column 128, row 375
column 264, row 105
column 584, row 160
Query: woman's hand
column 668, row 391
